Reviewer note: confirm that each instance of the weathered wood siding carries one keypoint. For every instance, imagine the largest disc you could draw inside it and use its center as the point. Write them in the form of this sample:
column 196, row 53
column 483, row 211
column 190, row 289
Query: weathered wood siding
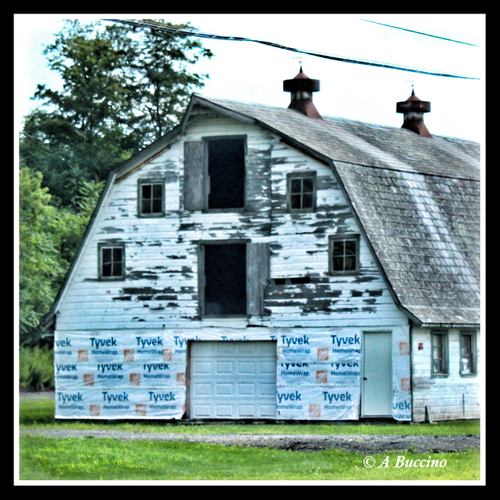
column 299, row 246
column 450, row 397
column 161, row 285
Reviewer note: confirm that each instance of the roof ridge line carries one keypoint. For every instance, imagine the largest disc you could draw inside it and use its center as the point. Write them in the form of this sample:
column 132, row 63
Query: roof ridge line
column 394, row 169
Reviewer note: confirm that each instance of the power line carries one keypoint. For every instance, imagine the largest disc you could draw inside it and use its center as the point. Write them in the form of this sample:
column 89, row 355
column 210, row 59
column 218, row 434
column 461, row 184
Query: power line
column 420, row 33
column 199, row 34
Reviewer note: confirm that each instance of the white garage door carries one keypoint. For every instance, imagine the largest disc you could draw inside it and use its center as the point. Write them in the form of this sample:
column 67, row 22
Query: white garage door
column 233, row 380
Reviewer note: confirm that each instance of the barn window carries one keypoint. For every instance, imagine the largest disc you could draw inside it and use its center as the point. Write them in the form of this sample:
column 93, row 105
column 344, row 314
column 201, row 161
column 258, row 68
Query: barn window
column 214, row 174
column 226, row 171
column 344, row 254
column 301, row 191
column 111, row 262
column 467, row 353
column 151, row 196
column 439, row 353
column 232, row 278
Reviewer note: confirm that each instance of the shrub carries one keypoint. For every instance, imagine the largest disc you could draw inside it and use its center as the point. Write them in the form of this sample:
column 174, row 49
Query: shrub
column 36, row 368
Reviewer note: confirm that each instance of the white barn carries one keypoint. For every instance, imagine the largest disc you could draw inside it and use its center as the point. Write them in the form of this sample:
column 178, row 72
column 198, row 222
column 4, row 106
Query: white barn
column 267, row 263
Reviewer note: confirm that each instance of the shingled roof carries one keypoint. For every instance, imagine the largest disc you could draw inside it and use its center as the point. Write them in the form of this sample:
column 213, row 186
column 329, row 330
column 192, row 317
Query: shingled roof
column 417, row 200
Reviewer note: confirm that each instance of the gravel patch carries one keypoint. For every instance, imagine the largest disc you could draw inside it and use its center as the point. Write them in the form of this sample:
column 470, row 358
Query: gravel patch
column 362, row 444
column 358, row 443
column 25, row 395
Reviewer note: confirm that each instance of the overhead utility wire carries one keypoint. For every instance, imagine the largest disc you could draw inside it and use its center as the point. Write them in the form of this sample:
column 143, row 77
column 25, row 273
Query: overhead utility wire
column 199, row 34
column 419, row 33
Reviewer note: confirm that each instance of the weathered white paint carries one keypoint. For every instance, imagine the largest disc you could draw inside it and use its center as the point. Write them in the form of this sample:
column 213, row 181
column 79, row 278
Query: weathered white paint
column 160, row 291
column 161, row 256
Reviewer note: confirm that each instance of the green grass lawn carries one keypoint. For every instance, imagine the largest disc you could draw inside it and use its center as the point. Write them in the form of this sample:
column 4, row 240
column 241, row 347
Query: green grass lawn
column 40, row 415
column 106, row 459
column 42, row 458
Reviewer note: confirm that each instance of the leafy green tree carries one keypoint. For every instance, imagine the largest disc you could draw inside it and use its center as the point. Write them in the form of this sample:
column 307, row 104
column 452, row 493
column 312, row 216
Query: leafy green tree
column 122, row 89
column 39, row 262
column 163, row 82
column 48, row 239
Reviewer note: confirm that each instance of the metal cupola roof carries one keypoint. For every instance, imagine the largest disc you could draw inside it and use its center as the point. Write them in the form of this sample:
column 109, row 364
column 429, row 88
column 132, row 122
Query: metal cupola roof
column 301, row 88
column 413, row 110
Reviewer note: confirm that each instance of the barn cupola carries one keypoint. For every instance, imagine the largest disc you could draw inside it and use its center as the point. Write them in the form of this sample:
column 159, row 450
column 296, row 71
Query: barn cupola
column 413, row 110
column 301, row 88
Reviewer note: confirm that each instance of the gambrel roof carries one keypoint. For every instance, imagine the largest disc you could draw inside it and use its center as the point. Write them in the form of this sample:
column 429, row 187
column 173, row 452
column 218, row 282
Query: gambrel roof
column 416, row 198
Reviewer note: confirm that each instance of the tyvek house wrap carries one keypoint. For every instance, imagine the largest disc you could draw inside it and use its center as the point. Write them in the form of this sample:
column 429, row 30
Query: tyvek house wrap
column 142, row 374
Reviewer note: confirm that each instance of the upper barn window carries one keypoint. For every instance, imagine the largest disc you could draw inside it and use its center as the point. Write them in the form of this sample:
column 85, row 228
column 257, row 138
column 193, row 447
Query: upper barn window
column 151, row 198
column 344, row 254
column 301, row 192
column 111, row 261
column 214, row 174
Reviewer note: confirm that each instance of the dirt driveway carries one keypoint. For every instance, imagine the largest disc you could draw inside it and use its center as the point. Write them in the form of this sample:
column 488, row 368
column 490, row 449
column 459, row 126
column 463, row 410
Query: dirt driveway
column 362, row 444
column 359, row 443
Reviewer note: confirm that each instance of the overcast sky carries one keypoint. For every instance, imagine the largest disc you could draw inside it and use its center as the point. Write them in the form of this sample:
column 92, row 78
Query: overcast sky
column 254, row 72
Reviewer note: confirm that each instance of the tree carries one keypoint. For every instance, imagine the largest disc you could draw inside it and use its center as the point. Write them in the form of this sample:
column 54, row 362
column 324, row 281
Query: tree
column 48, row 239
column 122, row 89
column 164, row 83
column 39, row 263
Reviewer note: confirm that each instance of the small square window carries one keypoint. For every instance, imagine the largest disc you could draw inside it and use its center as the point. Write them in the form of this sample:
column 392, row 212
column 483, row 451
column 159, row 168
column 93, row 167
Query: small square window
column 302, row 192
column 344, row 255
column 111, row 261
column 150, row 199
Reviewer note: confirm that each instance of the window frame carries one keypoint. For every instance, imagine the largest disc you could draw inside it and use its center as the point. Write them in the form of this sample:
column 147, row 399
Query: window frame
column 331, row 244
column 152, row 182
column 445, row 357
column 257, row 276
column 473, row 335
column 208, row 140
column 202, row 279
column 102, row 246
column 196, row 189
column 290, row 177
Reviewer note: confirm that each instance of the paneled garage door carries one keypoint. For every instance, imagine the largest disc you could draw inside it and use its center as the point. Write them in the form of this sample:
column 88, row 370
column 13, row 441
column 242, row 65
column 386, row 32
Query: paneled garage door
column 233, row 379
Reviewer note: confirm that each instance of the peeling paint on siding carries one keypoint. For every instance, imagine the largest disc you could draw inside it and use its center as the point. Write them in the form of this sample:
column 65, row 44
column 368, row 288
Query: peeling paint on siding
column 298, row 242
